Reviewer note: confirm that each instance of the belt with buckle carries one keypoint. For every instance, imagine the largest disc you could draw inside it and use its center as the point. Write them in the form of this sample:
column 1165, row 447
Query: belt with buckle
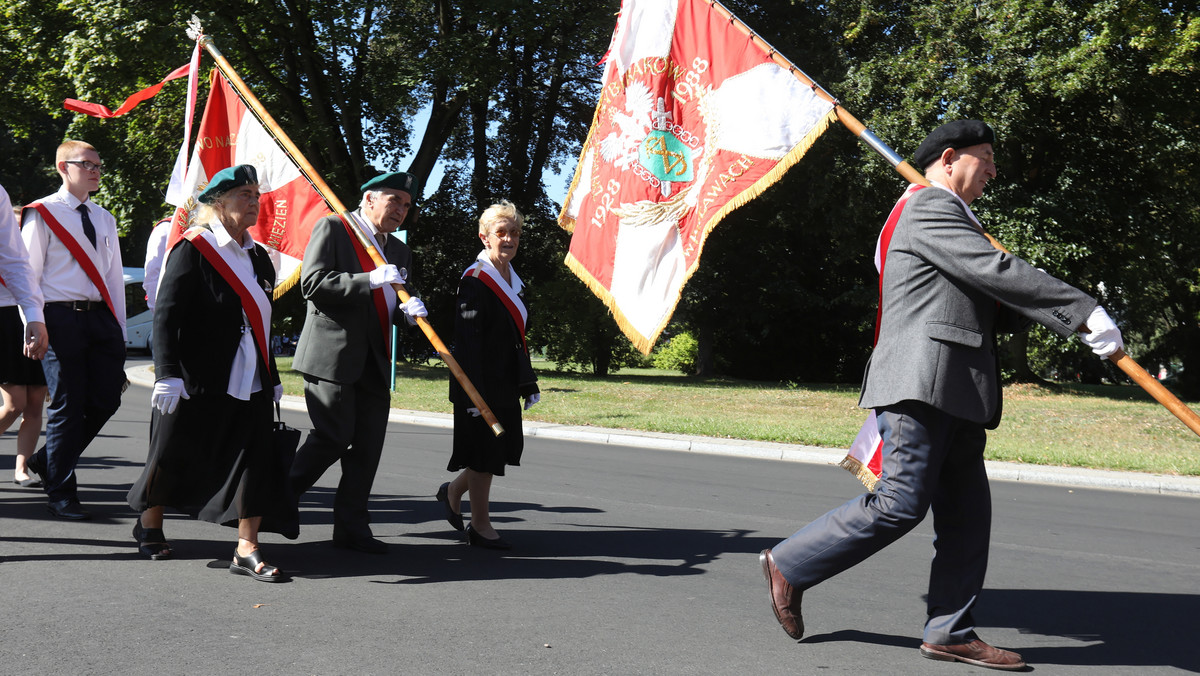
column 78, row 305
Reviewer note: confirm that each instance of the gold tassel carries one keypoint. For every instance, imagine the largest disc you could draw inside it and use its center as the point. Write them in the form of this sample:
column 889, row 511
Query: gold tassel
column 286, row 285
column 860, row 472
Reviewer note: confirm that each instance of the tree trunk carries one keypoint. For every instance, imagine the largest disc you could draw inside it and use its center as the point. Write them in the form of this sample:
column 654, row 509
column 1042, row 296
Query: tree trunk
column 1018, row 360
column 704, row 351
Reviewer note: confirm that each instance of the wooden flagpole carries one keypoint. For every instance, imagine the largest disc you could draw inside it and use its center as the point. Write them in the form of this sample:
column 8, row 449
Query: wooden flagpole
column 330, row 198
column 1123, row 361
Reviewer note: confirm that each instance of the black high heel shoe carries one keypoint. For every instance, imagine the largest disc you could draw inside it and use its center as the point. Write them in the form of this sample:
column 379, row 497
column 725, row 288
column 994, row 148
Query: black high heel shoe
column 151, row 541
column 452, row 517
column 476, row 540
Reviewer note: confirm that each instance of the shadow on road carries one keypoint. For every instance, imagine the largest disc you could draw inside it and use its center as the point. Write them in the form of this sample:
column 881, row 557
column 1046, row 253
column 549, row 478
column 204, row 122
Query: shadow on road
column 1113, row 629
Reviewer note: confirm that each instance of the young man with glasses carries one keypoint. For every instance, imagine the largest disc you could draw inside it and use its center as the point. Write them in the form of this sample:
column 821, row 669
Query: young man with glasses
column 75, row 256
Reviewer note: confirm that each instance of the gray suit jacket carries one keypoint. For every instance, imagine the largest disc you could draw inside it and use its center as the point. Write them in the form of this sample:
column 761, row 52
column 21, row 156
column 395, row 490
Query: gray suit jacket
column 946, row 292
column 341, row 326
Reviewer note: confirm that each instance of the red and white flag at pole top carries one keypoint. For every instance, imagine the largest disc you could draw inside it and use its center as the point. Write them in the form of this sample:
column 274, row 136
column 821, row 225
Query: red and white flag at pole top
column 694, row 120
column 230, row 134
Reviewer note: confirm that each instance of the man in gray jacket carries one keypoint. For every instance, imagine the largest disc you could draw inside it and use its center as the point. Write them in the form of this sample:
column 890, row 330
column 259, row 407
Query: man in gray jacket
column 344, row 350
column 933, row 382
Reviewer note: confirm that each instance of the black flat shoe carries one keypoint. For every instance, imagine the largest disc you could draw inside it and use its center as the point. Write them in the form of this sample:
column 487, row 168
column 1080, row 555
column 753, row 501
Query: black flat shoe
column 452, row 517
column 68, row 509
column 246, row 565
column 151, row 541
column 31, row 482
column 476, row 540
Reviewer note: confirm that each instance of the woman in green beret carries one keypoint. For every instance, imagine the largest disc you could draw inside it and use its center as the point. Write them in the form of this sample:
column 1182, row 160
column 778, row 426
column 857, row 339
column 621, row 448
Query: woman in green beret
column 210, row 428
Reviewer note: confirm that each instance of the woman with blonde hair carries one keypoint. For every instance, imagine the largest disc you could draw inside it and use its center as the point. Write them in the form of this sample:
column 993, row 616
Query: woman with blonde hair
column 489, row 344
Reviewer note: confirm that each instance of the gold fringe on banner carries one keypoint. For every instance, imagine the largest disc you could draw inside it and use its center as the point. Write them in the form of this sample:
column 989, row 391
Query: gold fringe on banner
column 286, row 285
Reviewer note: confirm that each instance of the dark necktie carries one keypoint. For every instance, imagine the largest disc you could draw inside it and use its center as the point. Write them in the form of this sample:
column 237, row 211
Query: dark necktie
column 88, row 228
column 382, row 240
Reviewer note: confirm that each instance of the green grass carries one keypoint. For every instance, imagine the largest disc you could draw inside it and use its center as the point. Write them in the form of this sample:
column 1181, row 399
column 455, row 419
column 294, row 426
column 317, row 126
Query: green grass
column 1106, row 427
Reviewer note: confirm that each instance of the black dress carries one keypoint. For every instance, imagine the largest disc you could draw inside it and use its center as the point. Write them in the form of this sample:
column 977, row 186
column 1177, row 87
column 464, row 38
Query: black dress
column 212, row 457
column 489, row 348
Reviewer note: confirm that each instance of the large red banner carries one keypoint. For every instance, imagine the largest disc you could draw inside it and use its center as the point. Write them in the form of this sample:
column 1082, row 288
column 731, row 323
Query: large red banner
column 694, row 120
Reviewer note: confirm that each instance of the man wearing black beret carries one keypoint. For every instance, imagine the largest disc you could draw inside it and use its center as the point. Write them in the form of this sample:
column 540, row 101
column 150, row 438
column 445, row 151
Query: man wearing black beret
column 345, row 349
column 934, row 386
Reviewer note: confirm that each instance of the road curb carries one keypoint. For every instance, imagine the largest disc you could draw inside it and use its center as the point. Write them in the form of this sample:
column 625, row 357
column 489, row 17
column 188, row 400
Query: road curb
column 997, row 471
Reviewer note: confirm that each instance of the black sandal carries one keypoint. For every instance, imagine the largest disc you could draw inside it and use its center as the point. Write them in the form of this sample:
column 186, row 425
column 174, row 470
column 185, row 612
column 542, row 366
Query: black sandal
column 247, row 565
column 151, row 541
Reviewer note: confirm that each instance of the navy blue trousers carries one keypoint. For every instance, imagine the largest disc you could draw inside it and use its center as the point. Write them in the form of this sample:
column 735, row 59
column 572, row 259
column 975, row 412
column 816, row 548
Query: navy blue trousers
column 931, row 460
column 85, row 370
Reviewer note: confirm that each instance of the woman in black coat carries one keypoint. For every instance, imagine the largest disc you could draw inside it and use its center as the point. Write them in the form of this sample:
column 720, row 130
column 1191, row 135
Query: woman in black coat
column 210, row 428
column 489, row 344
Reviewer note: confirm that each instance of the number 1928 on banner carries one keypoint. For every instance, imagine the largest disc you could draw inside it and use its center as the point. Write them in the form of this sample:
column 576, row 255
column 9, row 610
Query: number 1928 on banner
column 694, row 120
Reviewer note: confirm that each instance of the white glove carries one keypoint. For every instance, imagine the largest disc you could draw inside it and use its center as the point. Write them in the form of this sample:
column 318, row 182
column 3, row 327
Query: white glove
column 474, row 412
column 1103, row 335
column 166, row 395
column 414, row 308
column 278, row 394
column 385, row 275
column 532, row 399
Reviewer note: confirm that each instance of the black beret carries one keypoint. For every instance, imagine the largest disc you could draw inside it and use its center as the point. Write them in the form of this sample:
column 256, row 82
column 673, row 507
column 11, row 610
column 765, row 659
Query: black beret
column 397, row 180
column 957, row 134
column 227, row 179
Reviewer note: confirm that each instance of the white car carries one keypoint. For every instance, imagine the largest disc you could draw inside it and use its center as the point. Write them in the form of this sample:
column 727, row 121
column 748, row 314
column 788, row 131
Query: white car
column 139, row 321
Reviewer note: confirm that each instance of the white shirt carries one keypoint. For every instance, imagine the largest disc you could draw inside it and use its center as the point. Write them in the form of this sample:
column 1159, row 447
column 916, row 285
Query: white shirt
column 18, row 288
column 56, row 270
column 156, row 249
column 243, row 376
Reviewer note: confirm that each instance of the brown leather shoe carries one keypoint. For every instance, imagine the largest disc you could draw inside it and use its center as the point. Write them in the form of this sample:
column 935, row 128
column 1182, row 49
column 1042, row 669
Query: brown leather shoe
column 785, row 601
column 976, row 652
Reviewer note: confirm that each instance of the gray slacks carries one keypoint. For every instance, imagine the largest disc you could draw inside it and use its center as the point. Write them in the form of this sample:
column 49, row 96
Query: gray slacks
column 931, row 460
column 349, row 425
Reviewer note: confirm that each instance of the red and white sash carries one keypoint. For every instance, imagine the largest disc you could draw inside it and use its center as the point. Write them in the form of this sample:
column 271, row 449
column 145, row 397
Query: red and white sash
column 381, row 306
column 255, row 302
column 865, row 457
column 486, row 273
column 79, row 254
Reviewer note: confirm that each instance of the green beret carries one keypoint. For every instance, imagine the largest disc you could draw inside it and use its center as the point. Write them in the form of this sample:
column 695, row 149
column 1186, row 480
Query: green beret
column 957, row 134
column 397, row 180
column 228, row 179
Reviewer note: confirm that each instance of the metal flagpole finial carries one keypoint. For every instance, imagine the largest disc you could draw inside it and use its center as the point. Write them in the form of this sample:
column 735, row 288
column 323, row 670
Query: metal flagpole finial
column 194, row 29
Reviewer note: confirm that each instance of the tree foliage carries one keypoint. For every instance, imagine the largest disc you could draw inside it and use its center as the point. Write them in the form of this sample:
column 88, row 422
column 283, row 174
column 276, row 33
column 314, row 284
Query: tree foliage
column 1093, row 102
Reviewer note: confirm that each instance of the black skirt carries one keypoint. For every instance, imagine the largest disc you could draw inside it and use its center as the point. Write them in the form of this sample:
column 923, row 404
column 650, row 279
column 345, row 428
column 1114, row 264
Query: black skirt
column 15, row 367
column 212, row 459
column 475, row 447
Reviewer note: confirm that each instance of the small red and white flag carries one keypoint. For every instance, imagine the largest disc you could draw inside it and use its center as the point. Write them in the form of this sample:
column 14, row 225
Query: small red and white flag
column 230, row 134
column 694, row 120
column 865, row 458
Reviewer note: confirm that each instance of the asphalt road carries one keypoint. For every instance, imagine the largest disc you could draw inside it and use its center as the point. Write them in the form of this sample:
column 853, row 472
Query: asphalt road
column 625, row 561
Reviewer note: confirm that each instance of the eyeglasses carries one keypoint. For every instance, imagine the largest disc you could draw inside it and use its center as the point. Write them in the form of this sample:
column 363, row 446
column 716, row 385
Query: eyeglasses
column 89, row 166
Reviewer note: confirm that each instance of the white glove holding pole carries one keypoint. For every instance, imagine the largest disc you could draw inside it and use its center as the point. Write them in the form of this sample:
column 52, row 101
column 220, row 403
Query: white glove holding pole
column 532, row 399
column 278, row 393
column 166, row 395
column 474, row 412
column 413, row 308
column 1103, row 336
column 385, row 275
